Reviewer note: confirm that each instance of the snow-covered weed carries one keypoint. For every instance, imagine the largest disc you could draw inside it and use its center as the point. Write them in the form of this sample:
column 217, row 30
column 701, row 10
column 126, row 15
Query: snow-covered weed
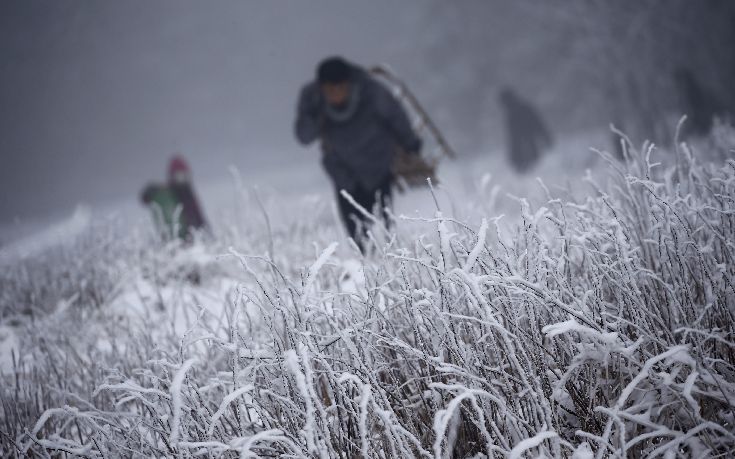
column 600, row 327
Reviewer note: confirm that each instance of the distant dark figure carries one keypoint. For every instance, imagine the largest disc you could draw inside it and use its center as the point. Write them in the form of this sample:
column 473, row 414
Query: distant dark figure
column 175, row 208
column 698, row 103
column 527, row 135
column 360, row 125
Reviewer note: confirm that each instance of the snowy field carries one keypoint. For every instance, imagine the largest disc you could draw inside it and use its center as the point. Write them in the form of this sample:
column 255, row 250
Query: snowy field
column 584, row 313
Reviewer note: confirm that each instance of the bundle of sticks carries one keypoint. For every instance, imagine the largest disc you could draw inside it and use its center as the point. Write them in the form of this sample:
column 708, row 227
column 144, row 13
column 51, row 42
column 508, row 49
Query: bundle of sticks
column 413, row 170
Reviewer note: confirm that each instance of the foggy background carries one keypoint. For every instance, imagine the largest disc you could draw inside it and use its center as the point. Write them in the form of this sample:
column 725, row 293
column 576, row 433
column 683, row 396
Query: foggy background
column 96, row 96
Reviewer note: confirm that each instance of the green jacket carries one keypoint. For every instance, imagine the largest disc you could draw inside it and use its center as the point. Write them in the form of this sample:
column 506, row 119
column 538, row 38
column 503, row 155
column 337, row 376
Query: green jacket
column 166, row 210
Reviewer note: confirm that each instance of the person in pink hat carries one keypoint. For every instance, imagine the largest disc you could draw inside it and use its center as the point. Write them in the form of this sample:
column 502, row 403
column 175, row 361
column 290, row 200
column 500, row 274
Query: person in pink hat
column 174, row 205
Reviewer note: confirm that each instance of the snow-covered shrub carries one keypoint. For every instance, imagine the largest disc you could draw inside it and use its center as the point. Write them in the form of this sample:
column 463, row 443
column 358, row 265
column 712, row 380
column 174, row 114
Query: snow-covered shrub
column 598, row 327
column 87, row 267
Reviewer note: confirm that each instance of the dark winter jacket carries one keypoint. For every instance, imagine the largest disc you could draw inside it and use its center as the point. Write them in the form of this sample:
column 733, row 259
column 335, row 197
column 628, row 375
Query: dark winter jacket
column 359, row 143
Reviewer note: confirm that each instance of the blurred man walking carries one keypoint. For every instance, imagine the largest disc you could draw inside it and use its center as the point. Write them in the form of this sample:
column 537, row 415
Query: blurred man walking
column 527, row 134
column 360, row 125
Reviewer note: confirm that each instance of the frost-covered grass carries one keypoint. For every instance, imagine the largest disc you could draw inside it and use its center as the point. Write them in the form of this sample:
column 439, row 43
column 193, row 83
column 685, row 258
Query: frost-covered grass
column 599, row 327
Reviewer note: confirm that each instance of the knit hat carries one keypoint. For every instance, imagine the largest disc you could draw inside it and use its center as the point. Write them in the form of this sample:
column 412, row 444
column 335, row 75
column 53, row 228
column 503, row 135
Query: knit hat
column 333, row 70
column 177, row 165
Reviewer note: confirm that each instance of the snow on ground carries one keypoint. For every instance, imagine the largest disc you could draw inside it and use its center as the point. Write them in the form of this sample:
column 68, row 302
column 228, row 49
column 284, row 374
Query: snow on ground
column 295, row 186
column 41, row 240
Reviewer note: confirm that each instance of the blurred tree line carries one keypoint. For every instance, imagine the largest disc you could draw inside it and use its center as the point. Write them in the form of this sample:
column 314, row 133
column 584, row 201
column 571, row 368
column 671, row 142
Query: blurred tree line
column 584, row 63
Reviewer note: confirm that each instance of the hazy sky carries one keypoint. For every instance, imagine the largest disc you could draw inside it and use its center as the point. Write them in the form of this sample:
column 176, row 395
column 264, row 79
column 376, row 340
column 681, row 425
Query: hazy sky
column 96, row 95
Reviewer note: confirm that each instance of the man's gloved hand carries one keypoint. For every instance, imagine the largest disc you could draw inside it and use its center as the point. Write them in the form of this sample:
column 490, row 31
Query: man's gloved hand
column 310, row 101
column 309, row 114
